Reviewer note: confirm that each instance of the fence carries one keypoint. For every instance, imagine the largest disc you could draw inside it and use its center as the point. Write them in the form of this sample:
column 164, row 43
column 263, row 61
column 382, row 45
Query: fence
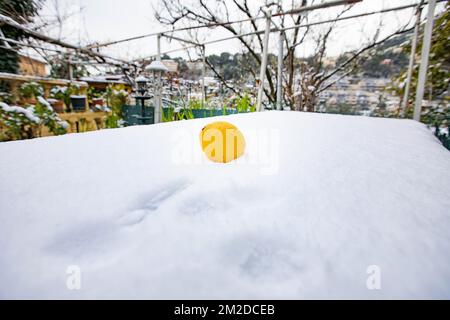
column 132, row 114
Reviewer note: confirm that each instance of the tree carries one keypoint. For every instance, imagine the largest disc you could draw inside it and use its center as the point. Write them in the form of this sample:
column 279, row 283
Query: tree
column 174, row 12
column 227, row 65
column 22, row 11
column 438, row 75
column 314, row 76
column 386, row 61
column 60, row 66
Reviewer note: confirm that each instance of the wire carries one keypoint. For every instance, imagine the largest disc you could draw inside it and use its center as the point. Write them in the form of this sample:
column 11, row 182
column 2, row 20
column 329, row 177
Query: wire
column 87, row 50
column 220, row 24
column 293, row 27
column 29, row 45
column 34, row 34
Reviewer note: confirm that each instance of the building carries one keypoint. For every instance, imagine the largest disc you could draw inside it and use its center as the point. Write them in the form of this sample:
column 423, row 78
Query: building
column 195, row 65
column 172, row 65
column 102, row 82
column 29, row 66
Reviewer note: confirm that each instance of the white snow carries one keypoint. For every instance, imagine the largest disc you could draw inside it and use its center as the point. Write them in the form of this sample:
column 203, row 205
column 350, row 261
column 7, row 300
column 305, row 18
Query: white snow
column 27, row 112
column 63, row 124
column 314, row 202
column 142, row 79
column 45, row 103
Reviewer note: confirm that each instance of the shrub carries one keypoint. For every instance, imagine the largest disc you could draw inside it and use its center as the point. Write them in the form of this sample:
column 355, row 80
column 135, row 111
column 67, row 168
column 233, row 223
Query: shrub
column 61, row 93
column 30, row 90
column 6, row 97
column 195, row 104
column 49, row 118
column 27, row 122
column 244, row 104
column 116, row 97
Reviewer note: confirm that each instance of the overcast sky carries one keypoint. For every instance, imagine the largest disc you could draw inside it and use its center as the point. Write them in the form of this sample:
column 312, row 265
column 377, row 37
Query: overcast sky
column 105, row 20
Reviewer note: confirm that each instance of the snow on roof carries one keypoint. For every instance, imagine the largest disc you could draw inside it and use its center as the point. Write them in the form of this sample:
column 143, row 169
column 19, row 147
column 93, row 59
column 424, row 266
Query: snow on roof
column 315, row 201
column 104, row 79
column 12, row 76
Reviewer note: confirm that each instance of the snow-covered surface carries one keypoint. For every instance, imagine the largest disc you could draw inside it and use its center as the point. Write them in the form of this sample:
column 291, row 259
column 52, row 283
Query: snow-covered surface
column 27, row 112
column 144, row 219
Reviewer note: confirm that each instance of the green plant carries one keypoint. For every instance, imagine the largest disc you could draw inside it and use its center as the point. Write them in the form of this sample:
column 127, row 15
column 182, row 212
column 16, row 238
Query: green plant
column 195, row 104
column 94, row 93
column 64, row 93
column 438, row 118
column 244, row 104
column 27, row 122
column 60, row 70
column 76, row 88
column 6, row 97
column 30, row 90
column 185, row 114
column 49, row 118
column 168, row 114
column 438, row 72
column 113, row 121
column 116, row 97
column 21, row 11
column 17, row 122
column 61, row 93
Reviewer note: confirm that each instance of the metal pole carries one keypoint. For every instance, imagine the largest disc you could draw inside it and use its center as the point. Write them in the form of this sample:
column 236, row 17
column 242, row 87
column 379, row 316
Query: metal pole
column 70, row 67
column 322, row 5
column 215, row 24
column 424, row 60
column 280, row 73
column 411, row 60
column 142, row 110
column 158, row 108
column 180, row 39
column 158, row 47
column 263, row 62
column 203, row 75
column 303, row 25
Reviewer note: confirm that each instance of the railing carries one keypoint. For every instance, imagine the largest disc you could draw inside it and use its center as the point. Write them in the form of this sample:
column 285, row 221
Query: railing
column 132, row 114
column 84, row 121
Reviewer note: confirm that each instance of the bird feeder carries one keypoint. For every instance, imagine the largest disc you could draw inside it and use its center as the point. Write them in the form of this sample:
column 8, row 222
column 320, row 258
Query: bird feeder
column 157, row 68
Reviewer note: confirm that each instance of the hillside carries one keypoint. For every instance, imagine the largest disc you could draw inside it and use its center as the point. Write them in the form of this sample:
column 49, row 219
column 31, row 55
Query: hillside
column 385, row 60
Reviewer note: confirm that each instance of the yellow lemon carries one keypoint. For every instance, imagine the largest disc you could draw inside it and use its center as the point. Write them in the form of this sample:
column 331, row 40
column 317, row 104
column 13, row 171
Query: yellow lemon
column 222, row 142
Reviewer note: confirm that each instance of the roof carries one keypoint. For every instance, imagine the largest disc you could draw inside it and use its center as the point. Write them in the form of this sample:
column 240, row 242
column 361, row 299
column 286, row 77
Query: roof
column 34, row 58
column 116, row 79
column 52, row 81
column 172, row 65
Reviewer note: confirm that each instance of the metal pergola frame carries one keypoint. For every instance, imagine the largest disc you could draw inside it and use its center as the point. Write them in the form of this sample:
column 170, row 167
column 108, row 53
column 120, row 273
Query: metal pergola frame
column 280, row 46
column 268, row 16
